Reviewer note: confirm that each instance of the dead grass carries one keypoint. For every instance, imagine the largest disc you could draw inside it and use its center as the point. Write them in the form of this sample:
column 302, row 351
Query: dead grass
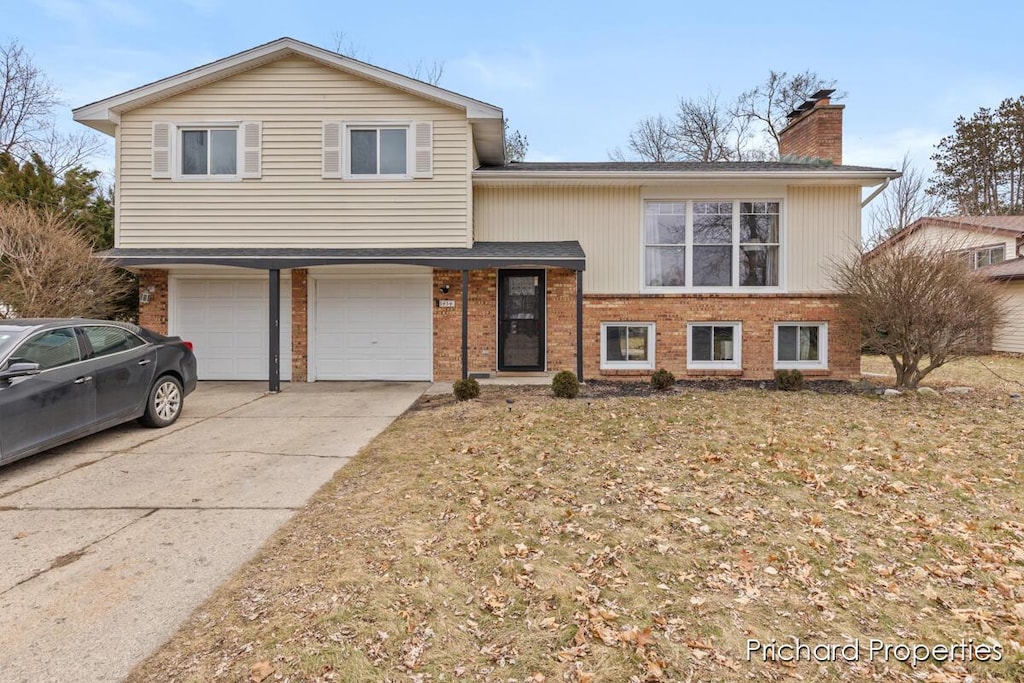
column 997, row 372
column 638, row 539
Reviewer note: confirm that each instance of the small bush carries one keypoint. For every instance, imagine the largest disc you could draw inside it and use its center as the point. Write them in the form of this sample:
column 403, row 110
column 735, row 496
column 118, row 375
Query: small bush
column 465, row 389
column 565, row 385
column 662, row 380
column 789, row 380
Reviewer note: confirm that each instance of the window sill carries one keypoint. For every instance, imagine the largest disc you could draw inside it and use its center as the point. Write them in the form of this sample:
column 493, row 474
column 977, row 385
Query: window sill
column 377, row 178
column 802, row 368
column 207, row 179
column 647, row 289
column 714, row 372
column 627, row 372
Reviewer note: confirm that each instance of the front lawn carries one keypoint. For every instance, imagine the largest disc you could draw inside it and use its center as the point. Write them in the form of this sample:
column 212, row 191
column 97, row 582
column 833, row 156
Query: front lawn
column 641, row 539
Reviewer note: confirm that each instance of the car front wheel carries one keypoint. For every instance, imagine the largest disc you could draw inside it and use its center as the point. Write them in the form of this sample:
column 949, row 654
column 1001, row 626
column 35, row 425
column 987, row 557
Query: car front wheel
column 165, row 403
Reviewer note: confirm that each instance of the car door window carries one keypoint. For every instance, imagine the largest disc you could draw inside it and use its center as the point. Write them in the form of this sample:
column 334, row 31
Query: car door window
column 50, row 349
column 106, row 340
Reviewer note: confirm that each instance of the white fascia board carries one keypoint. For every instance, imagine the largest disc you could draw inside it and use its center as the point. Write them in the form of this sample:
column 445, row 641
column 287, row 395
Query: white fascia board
column 96, row 113
column 485, row 178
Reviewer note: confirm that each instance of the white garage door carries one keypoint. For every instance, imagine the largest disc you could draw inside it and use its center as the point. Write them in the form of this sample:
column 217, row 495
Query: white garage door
column 227, row 322
column 373, row 328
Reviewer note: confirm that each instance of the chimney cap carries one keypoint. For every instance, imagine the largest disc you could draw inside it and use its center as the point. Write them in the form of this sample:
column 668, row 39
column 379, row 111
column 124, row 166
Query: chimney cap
column 810, row 103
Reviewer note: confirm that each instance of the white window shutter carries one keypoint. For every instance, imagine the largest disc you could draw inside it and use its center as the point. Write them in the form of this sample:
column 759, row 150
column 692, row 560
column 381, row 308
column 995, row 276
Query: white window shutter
column 423, row 154
column 332, row 148
column 252, row 141
column 161, row 148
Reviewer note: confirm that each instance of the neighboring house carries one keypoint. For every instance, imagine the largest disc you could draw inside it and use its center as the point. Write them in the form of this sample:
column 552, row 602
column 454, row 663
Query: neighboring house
column 1009, row 337
column 396, row 243
column 992, row 244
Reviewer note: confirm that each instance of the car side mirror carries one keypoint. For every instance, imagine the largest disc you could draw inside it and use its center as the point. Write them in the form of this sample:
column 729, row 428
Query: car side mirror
column 19, row 369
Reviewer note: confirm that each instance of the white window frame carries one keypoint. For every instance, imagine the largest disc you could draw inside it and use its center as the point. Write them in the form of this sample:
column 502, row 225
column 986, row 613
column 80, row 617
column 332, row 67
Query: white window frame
column 737, row 340
column 346, row 150
column 820, row 364
column 689, row 288
column 648, row 364
column 177, row 146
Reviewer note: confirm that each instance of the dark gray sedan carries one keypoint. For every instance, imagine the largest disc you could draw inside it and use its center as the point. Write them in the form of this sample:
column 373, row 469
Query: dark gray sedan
column 61, row 379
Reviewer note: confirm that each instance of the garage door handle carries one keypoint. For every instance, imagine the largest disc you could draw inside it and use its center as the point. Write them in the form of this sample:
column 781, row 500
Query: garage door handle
column 145, row 361
column 83, row 380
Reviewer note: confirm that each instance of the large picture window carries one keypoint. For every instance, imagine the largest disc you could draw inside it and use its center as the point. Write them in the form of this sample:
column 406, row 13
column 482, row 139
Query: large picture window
column 711, row 244
column 627, row 346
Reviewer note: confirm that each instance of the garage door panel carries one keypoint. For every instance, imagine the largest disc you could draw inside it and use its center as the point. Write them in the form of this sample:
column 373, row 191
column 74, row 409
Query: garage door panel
column 373, row 328
column 227, row 321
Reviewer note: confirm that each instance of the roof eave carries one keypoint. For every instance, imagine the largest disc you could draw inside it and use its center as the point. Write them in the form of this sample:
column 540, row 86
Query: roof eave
column 863, row 178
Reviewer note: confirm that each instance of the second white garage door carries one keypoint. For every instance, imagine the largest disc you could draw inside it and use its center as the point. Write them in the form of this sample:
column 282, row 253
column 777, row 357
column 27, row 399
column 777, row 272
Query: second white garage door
column 373, row 328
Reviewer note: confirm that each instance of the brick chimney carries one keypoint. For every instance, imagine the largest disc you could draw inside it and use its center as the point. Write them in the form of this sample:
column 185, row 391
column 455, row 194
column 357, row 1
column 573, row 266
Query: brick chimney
column 814, row 130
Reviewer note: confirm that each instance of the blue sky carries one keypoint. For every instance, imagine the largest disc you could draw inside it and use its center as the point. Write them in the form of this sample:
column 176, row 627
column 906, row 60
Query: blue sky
column 575, row 76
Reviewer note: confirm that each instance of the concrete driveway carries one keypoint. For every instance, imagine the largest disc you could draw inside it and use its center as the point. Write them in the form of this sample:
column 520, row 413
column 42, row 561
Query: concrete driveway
column 108, row 544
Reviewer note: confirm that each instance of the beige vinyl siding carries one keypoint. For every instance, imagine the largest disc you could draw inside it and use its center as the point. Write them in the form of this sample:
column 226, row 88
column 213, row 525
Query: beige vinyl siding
column 953, row 239
column 822, row 228
column 820, row 224
column 605, row 221
column 292, row 205
column 1010, row 336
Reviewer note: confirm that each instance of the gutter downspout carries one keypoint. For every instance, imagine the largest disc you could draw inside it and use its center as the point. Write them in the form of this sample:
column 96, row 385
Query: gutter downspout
column 875, row 193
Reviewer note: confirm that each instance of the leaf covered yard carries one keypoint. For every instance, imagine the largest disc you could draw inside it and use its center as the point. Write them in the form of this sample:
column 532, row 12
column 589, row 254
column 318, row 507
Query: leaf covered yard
column 640, row 539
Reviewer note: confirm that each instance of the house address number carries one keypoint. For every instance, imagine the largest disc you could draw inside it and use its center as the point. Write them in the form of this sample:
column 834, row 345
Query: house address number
column 446, row 303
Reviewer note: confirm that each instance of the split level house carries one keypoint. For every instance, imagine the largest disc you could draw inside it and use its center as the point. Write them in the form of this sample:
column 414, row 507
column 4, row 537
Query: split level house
column 300, row 215
column 991, row 245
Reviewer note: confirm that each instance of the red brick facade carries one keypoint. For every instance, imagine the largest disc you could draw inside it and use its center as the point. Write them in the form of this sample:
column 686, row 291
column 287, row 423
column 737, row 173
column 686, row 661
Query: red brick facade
column 669, row 312
column 757, row 313
column 300, row 339
column 153, row 315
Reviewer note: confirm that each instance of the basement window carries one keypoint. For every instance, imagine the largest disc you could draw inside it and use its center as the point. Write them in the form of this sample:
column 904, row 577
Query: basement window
column 627, row 346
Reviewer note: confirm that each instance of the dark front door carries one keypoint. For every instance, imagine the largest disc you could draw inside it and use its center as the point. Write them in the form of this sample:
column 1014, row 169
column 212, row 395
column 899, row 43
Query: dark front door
column 521, row 320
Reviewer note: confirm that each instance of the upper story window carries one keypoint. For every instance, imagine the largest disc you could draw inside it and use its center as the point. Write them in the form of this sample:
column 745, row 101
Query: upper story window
column 358, row 150
column 222, row 150
column 378, row 151
column 209, row 151
column 713, row 244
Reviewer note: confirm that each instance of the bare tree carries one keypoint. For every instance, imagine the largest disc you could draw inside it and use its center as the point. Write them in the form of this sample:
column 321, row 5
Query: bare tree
column 903, row 202
column 781, row 93
column 342, row 43
column 428, row 73
column 27, row 99
column 652, row 139
column 705, row 130
column 27, row 119
column 516, row 145
column 919, row 305
column 47, row 269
